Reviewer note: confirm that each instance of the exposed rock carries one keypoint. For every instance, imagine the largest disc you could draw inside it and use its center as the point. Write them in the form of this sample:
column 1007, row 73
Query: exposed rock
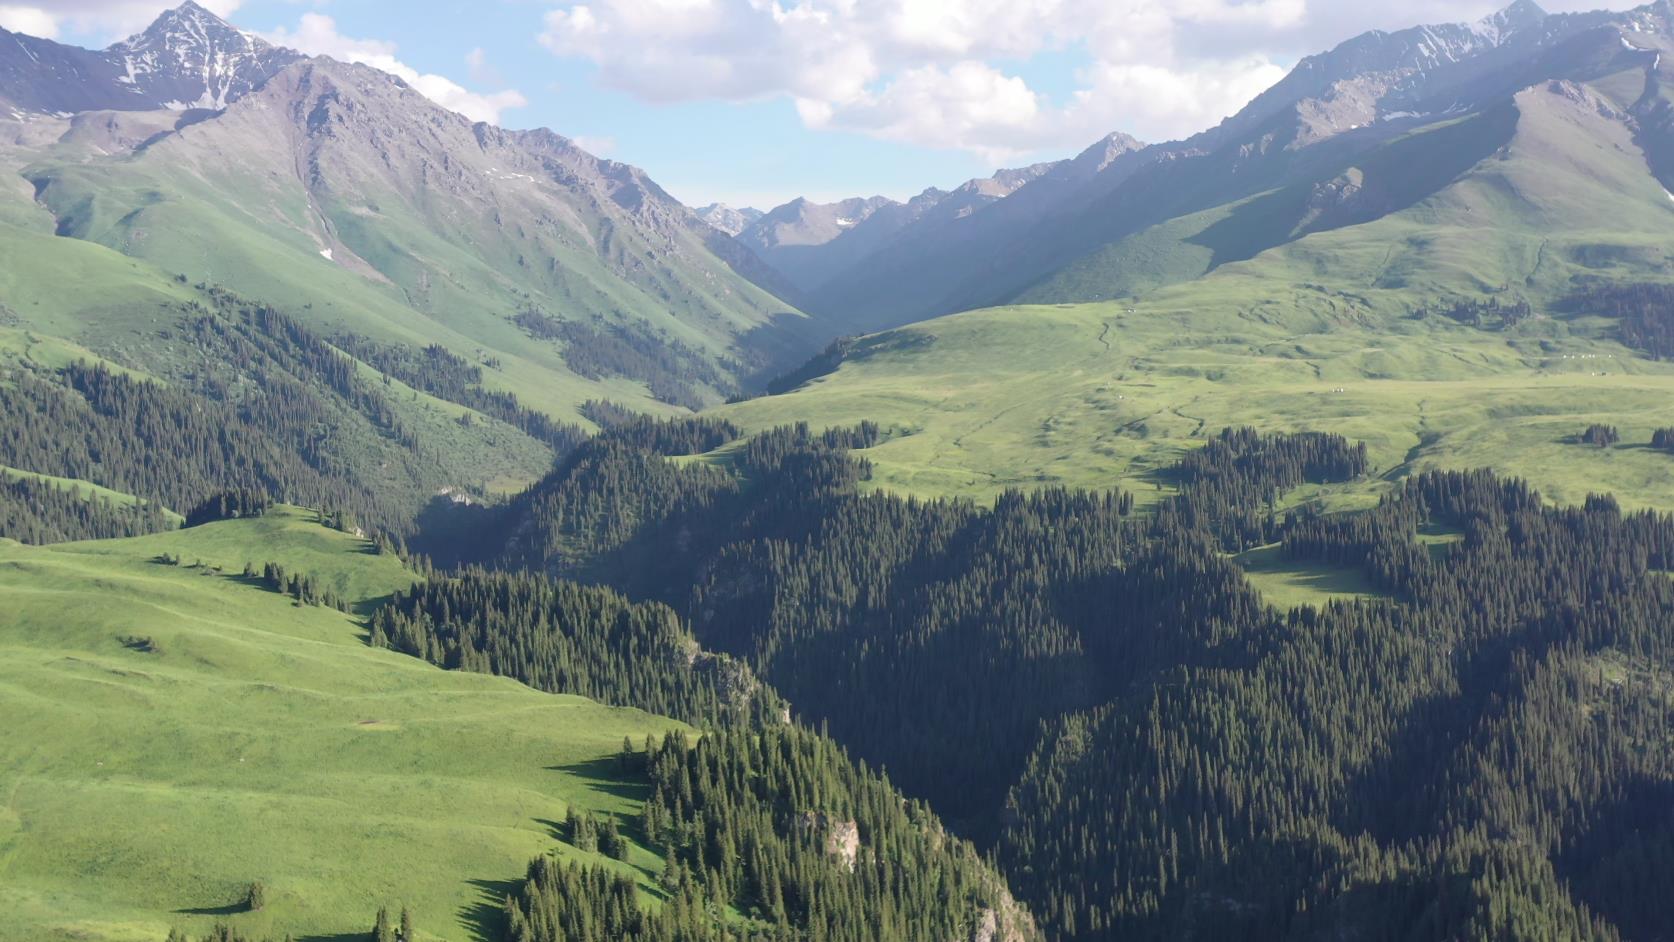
column 728, row 220
column 189, row 58
column 841, row 838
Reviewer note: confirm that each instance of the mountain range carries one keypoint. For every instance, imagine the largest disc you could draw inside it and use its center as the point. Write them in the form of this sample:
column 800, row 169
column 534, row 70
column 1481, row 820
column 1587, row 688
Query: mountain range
column 1115, row 204
column 1263, row 535
column 341, row 193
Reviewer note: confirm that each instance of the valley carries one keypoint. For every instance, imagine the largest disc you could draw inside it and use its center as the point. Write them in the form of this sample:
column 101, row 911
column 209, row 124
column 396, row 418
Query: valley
column 418, row 529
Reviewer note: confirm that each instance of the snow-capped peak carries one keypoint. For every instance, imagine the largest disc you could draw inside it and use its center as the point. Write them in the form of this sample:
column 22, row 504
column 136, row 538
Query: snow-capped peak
column 1496, row 28
column 185, row 27
column 191, row 58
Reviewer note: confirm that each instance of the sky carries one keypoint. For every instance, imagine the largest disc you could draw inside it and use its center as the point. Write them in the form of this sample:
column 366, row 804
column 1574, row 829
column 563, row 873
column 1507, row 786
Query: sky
column 755, row 102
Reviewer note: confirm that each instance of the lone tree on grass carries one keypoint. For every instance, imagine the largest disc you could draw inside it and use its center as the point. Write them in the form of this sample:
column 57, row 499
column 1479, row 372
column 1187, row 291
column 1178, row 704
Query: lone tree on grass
column 1601, row 436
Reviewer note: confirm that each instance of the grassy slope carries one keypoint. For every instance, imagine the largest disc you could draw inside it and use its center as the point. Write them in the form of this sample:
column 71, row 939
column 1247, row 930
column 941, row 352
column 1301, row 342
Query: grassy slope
column 433, row 265
column 64, row 300
column 1315, row 334
column 1391, row 177
column 1286, row 584
column 209, row 238
column 266, row 742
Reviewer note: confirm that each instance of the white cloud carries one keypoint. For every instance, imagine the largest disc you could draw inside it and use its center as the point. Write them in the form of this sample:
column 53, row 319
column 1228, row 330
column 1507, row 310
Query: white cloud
column 31, row 20
column 946, row 72
column 969, row 101
column 481, row 70
column 317, row 35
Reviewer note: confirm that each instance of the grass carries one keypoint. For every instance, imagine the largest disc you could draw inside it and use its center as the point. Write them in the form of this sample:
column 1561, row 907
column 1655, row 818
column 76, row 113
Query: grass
column 1439, row 541
column 174, row 734
column 414, row 261
column 1286, row 584
column 1103, row 395
column 1315, row 334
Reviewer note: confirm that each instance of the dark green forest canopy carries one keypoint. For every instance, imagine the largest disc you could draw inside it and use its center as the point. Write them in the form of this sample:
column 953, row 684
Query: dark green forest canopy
column 1097, row 698
column 261, row 405
column 1148, row 748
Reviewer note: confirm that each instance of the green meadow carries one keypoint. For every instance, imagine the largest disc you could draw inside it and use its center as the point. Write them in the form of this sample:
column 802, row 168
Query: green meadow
column 1286, row 584
column 1101, row 395
column 1260, row 314
column 175, row 733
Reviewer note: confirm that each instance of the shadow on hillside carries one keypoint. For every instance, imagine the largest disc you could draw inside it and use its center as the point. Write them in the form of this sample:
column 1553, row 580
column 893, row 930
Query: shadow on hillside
column 486, row 916
column 604, row 775
column 230, row 909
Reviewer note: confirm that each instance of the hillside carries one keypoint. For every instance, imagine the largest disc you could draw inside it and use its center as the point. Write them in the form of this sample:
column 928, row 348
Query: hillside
column 342, row 196
column 1455, row 733
column 1326, row 331
column 177, row 733
column 1123, row 217
column 385, row 215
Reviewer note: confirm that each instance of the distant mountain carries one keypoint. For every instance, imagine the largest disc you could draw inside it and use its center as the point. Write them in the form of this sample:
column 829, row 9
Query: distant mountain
column 1308, row 129
column 188, row 58
column 810, row 243
column 728, row 220
column 340, row 194
column 1480, row 216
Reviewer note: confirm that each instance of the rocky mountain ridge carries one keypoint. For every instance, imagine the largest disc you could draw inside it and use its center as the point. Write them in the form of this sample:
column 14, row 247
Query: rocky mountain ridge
column 1331, row 110
column 188, row 58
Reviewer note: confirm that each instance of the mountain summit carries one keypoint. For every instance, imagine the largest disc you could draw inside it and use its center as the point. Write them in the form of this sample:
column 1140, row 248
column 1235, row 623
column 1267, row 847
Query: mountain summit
column 189, row 58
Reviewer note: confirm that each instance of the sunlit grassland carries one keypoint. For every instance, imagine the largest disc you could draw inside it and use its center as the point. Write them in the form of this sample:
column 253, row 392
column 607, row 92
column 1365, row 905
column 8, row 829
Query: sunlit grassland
column 174, row 733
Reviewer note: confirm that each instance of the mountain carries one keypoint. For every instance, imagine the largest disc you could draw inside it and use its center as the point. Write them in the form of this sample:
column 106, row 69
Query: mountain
column 793, row 238
column 187, row 58
column 1296, row 565
column 341, row 195
column 810, row 243
column 1348, row 282
column 1310, row 127
column 728, row 220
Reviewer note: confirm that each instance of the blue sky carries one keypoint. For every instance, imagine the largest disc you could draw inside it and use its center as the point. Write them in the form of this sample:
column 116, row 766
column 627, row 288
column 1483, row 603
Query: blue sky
column 753, row 102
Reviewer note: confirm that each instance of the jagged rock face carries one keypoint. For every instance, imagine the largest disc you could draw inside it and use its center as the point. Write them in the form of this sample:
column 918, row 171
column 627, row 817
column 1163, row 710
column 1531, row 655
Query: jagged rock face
column 727, row 219
column 43, row 77
column 189, row 58
column 1422, row 71
column 810, row 242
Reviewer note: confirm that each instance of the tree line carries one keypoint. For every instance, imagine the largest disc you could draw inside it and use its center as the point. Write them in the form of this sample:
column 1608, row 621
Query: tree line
column 36, row 511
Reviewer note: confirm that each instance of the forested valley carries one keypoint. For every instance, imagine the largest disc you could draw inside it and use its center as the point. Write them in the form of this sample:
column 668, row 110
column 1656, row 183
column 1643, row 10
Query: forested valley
column 1099, row 699
column 1092, row 696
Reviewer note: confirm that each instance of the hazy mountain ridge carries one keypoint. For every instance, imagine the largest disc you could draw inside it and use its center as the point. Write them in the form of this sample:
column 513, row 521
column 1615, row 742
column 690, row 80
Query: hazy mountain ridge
column 727, row 219
column 1332, row 109
column 812, row 242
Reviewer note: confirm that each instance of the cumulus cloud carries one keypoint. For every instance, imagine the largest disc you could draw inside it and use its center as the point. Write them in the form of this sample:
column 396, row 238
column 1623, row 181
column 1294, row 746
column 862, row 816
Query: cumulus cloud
column 31, row 20
column 949, row 73
column 317, row 35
